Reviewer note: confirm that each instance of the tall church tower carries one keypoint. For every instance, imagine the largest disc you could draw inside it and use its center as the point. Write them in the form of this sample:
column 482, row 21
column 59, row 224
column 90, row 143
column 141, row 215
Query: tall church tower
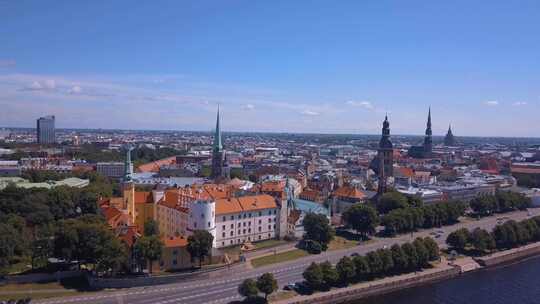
column 428, row 143
column 218, row 155
column 128, row 187
column 385, row 156
column 449, row 139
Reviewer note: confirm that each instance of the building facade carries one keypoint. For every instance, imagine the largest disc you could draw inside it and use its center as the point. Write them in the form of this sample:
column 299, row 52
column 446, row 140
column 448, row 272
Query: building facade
column 46, row 133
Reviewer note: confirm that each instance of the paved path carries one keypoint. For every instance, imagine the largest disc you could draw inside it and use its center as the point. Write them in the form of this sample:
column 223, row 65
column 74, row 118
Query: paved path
column 222, row 286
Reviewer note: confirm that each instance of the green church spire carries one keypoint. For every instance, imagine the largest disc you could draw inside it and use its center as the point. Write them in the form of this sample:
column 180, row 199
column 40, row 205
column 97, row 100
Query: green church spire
column 217, row 136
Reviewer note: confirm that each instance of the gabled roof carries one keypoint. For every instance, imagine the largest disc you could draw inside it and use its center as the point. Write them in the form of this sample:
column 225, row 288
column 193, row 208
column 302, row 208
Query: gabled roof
column 349, row 192
column 245, row 203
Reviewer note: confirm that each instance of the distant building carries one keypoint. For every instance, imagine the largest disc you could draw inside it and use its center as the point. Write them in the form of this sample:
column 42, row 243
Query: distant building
column 218, row 154
column 385, row 158
column 449, row 139
column 111, row 169
column 426, row 149
column 46, row 133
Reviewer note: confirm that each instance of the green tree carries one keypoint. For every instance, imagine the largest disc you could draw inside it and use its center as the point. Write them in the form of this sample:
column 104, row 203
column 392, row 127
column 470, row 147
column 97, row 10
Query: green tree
column 346, row 270
column 267, row 284
column 400, row 259
column 314, row 276
column 330, row 274
column 362, row 218
column 391, row 201
column 361, row 265
column 422, row 252
column 412, row 256
column 317, row 228
column 432, row 248
column 248, row 289
column 200, row 244
column 375, row 263
column 151, row 227
column 149, row 248
column 481, row 240
column 387, row 260
column 458, row 239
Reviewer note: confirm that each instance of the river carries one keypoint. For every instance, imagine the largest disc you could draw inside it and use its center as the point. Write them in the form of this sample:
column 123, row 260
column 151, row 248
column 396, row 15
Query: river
column 516, row 283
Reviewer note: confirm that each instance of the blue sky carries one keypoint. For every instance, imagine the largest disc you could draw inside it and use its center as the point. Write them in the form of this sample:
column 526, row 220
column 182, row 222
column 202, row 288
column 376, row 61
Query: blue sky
column 297, row 66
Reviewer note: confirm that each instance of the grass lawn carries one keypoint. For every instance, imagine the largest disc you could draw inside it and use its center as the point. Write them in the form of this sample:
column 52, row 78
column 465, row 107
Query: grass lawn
column 341, row 243
column 269, row 243
column 48, row 290
column 278, row 258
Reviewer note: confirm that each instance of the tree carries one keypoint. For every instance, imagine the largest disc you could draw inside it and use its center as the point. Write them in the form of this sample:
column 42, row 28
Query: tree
column 412, row 256
column 391, row 201
column 386, row 259
column 458, row 239
column 361, row 265
column 314, row 276
column 432, row 248
column 330, row 274
column 151, row 227
column 481, row 240
column 345, row 269
column 267, row 284
column 401, row 264
column 7, row 246
column 375, row 263
column 317, row 228
column 248, row 289
column 484, row 205
column 421, row 251
column 362, row 218
column 149, row 248
column 200, row 244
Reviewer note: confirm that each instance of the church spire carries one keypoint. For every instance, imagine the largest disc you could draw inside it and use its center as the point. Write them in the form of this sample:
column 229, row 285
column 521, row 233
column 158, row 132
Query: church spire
column 428, row 126
column 217, row 136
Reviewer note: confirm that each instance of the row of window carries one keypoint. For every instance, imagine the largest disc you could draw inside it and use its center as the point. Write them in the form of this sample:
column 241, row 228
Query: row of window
column 243, row 231
column 240, row 241
column 246, row 215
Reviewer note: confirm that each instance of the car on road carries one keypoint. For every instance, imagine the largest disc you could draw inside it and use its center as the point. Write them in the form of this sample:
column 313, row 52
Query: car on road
column 290, row 286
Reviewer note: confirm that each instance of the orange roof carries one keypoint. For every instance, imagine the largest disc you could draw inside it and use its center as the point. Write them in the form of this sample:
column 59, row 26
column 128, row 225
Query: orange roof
column 245, row 203
column 155, row 165
column 404, row 171
column 349, row 192
column 173, row 199
column 128, row 235
column 273, row 186
column 176, row 241
column 142, row 197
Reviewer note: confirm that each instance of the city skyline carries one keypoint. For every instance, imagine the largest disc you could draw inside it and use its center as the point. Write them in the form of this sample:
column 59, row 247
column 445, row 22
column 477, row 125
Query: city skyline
column 340, row 74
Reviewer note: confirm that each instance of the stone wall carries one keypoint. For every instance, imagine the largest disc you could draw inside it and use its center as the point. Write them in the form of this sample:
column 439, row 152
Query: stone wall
column 510, row 255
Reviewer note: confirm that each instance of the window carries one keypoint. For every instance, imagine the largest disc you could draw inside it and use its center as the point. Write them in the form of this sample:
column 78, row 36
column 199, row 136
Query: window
column 223, row 234
column 222, row 243
column 260, row 213
column 249, row 230
column 250, row 215
column 232, row 217
column 175, row 252
column 224, row 218
column 269, row 227
column 275, row 211
column 223, row 228
column 269, row 220
column 269, row 235
column 274, row 226
column 174, row 262
column 244, row 224
column 249, row 224
column 202, row 215
column 232, row 233
column 245, row 215
column 209, row 225
column 195, row 224
column 259, row 237
column 260, row 222
column 244, row 231
column 269, row 212
column 260, row 229
column 239, row 231
column 231, row 241
column 232, row 226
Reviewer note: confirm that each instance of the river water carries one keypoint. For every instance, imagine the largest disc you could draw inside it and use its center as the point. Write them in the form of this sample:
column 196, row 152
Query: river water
column 516, row 283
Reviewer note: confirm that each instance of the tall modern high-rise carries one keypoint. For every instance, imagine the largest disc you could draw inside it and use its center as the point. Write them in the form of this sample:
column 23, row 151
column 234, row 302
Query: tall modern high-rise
column 385, row 156
column 217, row 152
column 46, row 133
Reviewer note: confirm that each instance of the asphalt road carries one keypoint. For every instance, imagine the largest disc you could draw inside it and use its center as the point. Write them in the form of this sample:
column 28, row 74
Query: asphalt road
column 222, row 287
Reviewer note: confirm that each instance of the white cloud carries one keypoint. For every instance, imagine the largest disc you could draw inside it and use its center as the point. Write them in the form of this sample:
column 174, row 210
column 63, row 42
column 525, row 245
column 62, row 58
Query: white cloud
column 248, row 107
column 519, row 103
column 36, row 85
column 363, row 104
column 491, row 103
column 75, row 90
column 310, row 113
column 50, row 84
